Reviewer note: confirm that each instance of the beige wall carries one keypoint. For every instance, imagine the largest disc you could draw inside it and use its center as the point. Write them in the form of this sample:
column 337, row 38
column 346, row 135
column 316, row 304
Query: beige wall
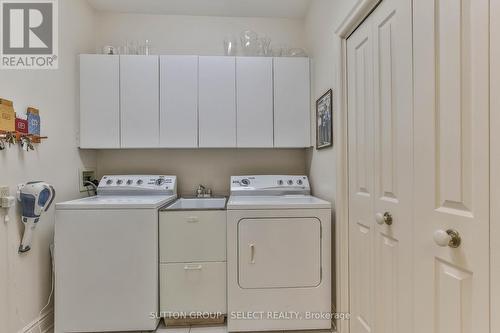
column 323, row 18
column 26, row 279
column 320, row 24
column 199, row 35
column 211, row 167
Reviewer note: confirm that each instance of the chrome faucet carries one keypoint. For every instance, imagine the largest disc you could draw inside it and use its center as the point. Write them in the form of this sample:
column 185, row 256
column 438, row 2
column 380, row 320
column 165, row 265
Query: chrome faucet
column 203, row 192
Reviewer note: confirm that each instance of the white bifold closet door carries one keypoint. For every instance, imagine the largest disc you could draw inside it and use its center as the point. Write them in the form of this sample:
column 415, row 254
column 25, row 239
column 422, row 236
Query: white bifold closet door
column 379, row 68
column 451, row 164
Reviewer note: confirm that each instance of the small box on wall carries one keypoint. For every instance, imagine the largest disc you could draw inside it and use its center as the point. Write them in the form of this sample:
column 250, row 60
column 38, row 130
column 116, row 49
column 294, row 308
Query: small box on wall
column 7, row 116
column 21, row 125
column 33, row 121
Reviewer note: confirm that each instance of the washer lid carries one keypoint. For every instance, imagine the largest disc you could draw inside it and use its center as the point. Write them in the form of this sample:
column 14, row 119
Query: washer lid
column 118, row 202
column 276, row 202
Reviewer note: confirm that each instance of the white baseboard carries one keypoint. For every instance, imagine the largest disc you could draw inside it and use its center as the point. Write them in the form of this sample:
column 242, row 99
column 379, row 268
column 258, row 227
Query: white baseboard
column 44, row 323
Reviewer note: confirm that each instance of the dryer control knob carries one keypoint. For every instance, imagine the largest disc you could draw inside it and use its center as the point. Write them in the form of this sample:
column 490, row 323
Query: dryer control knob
column 245, row 182
column 140, row 181
column 290, row 182
column 109, row 182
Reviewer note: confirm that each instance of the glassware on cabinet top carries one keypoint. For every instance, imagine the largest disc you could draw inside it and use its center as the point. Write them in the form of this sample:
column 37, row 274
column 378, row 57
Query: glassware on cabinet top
column 249, row 43
column 297, row 52
column 230, row 46
column 264, row 46
column 109, row 50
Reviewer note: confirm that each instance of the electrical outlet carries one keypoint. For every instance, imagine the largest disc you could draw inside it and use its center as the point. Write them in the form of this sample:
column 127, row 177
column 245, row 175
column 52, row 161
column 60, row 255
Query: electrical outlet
column 85, row 175
column 4, row 191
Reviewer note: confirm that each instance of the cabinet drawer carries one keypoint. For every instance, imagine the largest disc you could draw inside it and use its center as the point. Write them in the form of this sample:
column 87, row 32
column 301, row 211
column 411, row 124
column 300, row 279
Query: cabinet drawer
column 192, row 236
column 188, row 287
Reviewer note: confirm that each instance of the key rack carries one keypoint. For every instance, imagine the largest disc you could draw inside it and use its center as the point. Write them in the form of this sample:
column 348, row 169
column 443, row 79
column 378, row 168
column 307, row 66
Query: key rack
column 18, row 137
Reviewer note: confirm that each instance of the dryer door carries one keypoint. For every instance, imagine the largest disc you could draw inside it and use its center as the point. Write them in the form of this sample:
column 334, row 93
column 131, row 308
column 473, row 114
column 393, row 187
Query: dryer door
column 279, row 252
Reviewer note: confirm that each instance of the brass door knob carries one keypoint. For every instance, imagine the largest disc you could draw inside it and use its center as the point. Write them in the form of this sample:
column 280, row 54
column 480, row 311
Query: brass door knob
column 383, row 218
column 449, row 238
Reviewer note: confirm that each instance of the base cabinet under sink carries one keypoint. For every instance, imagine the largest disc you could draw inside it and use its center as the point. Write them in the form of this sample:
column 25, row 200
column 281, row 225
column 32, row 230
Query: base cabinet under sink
column 193, row 263
column 188, row 288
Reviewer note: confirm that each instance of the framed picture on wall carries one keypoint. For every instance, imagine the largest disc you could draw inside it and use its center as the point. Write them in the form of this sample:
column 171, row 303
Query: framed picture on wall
column 324, row 126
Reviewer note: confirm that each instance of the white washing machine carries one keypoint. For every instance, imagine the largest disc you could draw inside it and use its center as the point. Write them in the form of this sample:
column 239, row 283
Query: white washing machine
column 106, row 256
column 278, row 255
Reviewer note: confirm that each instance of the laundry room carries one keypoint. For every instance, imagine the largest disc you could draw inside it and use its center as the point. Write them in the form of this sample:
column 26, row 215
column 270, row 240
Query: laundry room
column 216, row 166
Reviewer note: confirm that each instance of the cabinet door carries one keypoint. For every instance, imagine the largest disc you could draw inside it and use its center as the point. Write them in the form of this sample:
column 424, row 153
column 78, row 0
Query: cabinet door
column 217, row 102
column 254, row 102
column 139, row 96
column 193, row 287
column 179, row 101
column 192, row 236
column 99, row 101
column 279, row 252
column 292, row 102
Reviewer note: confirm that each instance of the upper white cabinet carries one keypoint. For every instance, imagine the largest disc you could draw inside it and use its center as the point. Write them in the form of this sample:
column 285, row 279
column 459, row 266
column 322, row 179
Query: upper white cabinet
column 139, row 101
column 99, row 101
column 254, row 102
column 179, row 101
column 217, row 102
column 292, row 103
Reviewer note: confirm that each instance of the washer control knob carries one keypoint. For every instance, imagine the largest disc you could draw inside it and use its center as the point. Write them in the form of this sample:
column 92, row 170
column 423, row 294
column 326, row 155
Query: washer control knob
column 129, row 182
column 290, row 182
column 280, row 182
column 140, row 181
column 245, row 182
column 119, row 182
column 300, row 182
column 160, row 181
column 109, row 181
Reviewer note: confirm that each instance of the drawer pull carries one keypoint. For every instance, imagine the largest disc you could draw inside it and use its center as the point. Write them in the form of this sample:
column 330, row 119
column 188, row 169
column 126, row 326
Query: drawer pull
column 193, row 267
column 192, row 219
column 252, row 253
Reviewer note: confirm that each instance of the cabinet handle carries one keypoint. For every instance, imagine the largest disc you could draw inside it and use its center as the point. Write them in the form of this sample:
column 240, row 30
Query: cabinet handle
column 252, row 253
column 192, row 267
column 192, row 219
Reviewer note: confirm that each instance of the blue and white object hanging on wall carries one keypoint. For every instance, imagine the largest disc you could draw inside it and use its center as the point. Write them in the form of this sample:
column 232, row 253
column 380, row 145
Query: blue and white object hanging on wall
column 36, row 198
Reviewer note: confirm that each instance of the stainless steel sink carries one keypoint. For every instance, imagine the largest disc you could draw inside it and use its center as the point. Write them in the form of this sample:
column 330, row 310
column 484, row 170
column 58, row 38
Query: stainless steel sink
column 198, row 204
